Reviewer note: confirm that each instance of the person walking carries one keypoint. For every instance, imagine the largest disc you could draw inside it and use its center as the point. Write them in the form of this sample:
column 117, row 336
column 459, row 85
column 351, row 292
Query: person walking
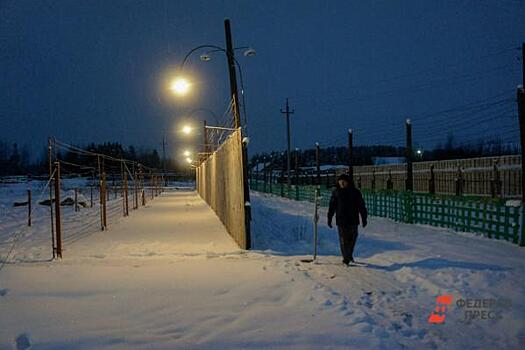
column 347, row 204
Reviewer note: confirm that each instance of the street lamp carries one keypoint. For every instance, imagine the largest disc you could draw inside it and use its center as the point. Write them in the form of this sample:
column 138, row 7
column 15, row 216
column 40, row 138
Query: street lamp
column 180, row 86
column 206, row 56
column 187, row 129
column 187, row 153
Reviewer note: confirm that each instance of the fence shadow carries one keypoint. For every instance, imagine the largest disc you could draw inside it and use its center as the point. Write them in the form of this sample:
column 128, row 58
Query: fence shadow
column 367, row 247
column 439, row 263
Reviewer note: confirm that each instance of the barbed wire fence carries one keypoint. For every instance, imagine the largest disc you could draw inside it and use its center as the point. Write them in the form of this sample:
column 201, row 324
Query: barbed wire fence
column 84, row 192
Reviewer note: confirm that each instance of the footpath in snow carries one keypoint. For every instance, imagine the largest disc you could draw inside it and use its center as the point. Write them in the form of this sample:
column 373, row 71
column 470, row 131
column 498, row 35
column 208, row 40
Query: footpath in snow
column 170, row 277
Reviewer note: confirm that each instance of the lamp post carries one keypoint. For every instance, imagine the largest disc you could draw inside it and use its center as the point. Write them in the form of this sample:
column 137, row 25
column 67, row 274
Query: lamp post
column 234, row 97
column 181, row 85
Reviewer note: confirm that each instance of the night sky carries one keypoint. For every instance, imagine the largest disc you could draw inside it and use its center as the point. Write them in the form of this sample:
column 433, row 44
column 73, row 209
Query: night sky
column 87, row 71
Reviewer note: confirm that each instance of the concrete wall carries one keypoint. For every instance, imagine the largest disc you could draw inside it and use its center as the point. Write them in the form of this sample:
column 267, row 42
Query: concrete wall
column 219, row 181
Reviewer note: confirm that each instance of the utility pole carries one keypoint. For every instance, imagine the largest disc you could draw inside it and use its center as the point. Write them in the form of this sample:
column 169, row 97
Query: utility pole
column 237, row 123
column 521, row 116
column 287, row 111
column 164, row 159
column 233, row 75
column 409, row 186
column 523, row 64
column 351, row 154
column 318, row 163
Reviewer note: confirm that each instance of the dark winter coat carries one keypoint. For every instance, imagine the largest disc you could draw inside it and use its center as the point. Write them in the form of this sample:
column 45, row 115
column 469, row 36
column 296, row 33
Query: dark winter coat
column 347, row 204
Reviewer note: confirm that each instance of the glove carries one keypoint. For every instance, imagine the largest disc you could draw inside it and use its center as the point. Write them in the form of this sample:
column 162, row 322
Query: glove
column 365, row 222
column 330, row 223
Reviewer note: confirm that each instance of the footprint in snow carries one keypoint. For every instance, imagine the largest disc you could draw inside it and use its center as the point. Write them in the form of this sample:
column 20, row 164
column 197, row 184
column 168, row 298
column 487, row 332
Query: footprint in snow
column 3, row 292
column 22, row 342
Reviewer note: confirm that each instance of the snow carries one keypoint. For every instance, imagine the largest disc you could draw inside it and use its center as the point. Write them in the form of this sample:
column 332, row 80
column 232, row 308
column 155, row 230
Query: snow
column 169, row 277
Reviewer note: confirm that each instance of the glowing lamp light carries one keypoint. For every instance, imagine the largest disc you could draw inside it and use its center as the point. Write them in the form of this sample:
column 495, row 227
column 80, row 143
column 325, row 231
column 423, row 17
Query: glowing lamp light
column 187, row 153
column 180, row 86
column 189, row 160
column 186, row 129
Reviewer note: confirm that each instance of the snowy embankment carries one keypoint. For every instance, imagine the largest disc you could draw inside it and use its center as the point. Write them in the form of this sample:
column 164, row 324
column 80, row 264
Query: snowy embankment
column 407, row 267
column 169, row 277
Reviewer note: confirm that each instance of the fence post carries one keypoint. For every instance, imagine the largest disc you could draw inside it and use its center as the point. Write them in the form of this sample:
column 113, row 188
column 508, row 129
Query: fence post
column 432, row 181
column 459, row 182
column 318, row 163
column 50, row 165
column 264, row 175
column 270, row 177
column 126, row 209
column 495, row 182
column 76, row 199
column 521, row 115
column 389, row 182
column 142, row 192
column 409, row 186
column 373, row 180
column 297, row 174
column 29, row 207
column 351, row 154
column 135, row 190
column 104, row 198
column 57, row 210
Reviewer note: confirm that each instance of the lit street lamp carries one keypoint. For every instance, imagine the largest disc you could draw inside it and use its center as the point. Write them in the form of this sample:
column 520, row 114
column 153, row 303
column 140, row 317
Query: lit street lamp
column 180, row 86
column 187, row 129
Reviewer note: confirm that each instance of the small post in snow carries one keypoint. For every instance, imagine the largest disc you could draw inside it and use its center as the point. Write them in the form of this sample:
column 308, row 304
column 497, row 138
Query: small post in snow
column 29, row 207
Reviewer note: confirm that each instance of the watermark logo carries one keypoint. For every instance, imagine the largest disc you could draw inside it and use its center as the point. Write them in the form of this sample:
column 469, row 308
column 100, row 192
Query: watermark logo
column 483, row 309
column 439, row 314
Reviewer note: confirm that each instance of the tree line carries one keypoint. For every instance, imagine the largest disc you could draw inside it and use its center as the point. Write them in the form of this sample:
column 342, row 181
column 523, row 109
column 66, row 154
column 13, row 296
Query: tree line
column 16, row 160
column 364, row 155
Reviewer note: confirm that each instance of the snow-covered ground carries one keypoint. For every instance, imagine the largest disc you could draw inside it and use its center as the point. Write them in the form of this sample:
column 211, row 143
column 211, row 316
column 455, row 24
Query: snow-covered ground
column 169, row 277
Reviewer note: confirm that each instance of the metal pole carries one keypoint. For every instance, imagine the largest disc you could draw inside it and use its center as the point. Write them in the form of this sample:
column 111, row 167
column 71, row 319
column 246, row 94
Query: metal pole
column 76, row 199
column 316, row 220
column 57, row 210
column 351, row 154
column 28, row 207
column 409, row 180
column 126, row 208
column 164, row 159
column 318, row 163
column 50, row 159
column 297, row 174
column 104, row 199
column 521, row 114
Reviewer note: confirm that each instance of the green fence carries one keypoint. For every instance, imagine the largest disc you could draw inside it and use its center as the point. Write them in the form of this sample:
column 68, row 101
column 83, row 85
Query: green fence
column 489, row 217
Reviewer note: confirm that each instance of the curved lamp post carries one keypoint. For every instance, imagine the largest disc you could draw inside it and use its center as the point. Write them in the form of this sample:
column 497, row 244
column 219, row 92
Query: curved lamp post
column 181, row 85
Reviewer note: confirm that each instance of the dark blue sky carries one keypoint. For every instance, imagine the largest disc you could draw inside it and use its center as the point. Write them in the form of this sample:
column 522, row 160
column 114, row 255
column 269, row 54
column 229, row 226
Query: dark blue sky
column 94, row 70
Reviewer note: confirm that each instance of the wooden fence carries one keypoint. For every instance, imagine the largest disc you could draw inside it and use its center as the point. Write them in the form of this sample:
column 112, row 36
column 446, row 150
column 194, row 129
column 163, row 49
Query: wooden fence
column 488, row 176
